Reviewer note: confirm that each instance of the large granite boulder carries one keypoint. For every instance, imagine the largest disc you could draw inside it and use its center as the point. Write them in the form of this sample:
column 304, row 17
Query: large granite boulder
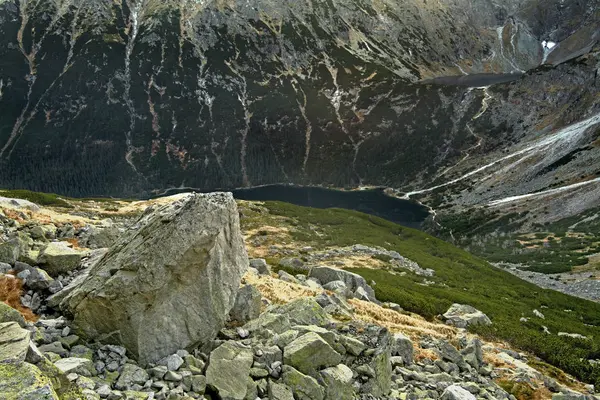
column 169, row 282
column 462, row 315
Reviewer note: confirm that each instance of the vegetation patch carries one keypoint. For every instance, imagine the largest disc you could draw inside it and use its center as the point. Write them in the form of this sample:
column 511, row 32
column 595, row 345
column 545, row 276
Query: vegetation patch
column 460, row 277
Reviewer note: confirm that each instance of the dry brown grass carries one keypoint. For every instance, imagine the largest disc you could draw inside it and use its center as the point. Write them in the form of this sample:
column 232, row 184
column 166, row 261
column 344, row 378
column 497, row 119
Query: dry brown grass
column 11, row 290
column 411, row 325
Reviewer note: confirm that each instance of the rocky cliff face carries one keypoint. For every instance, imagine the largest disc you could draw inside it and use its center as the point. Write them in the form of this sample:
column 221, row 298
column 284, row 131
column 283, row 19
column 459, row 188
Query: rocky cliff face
column 130, row 97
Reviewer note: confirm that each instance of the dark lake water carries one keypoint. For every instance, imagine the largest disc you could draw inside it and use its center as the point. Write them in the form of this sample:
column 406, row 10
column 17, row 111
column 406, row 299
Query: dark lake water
column 372, row 201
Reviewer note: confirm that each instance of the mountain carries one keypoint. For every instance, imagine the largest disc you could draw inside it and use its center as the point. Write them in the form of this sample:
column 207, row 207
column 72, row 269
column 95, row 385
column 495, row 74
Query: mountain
column 128, row 98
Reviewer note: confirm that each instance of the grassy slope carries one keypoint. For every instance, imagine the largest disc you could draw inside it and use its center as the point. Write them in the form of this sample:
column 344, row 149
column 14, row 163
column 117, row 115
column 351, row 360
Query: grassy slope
column 480, row 233
column 460, row 277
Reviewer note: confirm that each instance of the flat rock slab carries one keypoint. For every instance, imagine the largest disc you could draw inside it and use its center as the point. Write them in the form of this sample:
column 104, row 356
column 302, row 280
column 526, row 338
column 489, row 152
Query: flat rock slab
column 14, row 343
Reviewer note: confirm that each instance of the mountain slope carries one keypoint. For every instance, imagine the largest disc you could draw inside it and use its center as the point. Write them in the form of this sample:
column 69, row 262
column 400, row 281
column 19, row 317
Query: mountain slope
column 137, row 96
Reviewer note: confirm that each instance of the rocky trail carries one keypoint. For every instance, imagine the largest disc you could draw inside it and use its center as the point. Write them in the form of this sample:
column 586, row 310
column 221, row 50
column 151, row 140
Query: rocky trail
column 163, row 303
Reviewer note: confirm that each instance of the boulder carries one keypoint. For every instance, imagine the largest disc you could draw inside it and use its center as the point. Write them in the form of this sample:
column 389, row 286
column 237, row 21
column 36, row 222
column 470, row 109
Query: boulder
column 170, row 281
column 131, row 375
column 402, row 346
column 261, row 266
column 10, row 251
column 353, row 281
column 309, row 353
column 24, row 381
column 380, row 384
column 304, row 311
column 455, row 392
column 38, row 279
column 9, row 314
column 461, row 316
column 58, row 258
column 277, row 391
column 337, row 382
column 228, row 370
column 247, row 305
column 14, row 343
column 303, row 386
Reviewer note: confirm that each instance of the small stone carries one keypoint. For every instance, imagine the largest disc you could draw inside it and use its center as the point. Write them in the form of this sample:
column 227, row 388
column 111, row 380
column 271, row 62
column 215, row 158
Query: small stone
column 80, row 366
column 172, row 376
column 172, row 362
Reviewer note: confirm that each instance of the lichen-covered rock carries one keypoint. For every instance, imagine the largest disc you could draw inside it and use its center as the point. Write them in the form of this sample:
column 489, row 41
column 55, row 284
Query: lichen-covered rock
column 303, row 386
column 14, row 343
column 309, row 353
column 461, row 316
column 170, row 281
column 304, row 311
column 9, row 251
column 247, row 304
column 337, row 382
column 228, row 370
column 23, row 381
column 58, row 258
column 278, row 391
column 131, row 375
column 9, row 314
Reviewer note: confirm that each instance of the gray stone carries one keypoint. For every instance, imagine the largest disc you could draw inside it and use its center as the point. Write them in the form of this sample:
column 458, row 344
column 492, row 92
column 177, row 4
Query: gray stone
column 169, row 282
column 473, row 354
column 309, row 353
column 56, row 348
column 173, row 376
column 4, row 268
column 461, row 316
column 455, row 392
column 268, row 324
column 261, row 266
column 337, row 382
column 352, row 281
column 449, row 353
column 277, row 391
column 286, row 277
column 131, row 375
column 24, row 381
column 304, row 387
column 335, row 286
column 158, row 372
column 304, row 311
column 228, row 370
column 79, row 366
column 402, row 346
column 58, row 258
column 38, row 279
column 353, row 346
column 10, row 251
column 247, row 305
column 9, row 314
column 14, row 343
column 198, row 383
column 294, row 265
column 172, row 362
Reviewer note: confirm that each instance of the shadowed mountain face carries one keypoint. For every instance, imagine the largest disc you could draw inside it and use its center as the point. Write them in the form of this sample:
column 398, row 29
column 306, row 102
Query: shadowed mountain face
column 102, row 97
